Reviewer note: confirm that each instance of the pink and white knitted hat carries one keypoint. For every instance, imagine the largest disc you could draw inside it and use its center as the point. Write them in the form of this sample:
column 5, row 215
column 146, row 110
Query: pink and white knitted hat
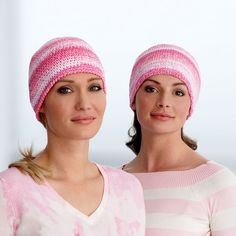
column 164, row 59
column 58, row 58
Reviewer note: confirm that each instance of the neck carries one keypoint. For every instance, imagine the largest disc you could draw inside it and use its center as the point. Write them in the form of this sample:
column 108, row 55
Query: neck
column 162, row 152
column 65, row 158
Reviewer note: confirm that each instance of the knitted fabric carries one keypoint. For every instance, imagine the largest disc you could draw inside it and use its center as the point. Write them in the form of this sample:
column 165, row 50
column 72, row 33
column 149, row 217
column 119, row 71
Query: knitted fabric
column 58, row 58
column 164, row 59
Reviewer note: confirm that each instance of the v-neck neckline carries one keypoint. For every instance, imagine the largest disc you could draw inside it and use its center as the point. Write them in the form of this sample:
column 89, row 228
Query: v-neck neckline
column 98, row 211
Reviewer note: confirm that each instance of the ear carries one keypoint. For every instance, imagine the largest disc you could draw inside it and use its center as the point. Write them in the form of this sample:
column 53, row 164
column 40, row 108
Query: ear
column 189, row 112
column 188, row 115
column 41, row 110
column 133, row 106
column 43, row 119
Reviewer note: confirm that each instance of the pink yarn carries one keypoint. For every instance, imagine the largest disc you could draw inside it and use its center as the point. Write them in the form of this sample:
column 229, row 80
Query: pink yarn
column 165, row 59
column 55, row 59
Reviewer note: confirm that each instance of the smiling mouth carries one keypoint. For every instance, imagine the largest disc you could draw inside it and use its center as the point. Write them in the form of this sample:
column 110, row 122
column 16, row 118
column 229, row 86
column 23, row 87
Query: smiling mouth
column 83, row 120
column 161, row 116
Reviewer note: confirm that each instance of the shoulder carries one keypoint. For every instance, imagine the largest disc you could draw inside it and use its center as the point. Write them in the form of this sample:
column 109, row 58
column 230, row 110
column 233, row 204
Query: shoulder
column 220, row 192
column 12, row 175
column 219, row 174
column 13, row 180
column 210, row 173
column 118, row 177
column 216, row 180
column 117, row 172
column 125, row 190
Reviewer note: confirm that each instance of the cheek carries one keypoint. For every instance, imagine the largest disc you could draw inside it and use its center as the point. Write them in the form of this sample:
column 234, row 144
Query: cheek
column 142, row 108
column 55, row 111
column 55, row 108
column 142, row 101
column 102, row 108
column 183, row 109
column 100, row 104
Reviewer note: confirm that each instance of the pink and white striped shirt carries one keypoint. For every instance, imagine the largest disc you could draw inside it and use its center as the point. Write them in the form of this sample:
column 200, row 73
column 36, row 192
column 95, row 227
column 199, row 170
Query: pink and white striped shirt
column 31, row 209
column 196, row 202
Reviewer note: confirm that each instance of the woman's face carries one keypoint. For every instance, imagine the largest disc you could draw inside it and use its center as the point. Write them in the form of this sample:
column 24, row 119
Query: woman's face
column 74, row 107
column 162, row 104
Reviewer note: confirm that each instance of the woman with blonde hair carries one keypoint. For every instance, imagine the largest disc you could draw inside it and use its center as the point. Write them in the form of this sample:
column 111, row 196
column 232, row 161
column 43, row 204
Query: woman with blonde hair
column 185, row 194
column 59, row 191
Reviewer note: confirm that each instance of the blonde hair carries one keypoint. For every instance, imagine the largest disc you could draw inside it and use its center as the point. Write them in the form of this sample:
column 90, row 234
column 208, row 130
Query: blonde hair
column 27, row 166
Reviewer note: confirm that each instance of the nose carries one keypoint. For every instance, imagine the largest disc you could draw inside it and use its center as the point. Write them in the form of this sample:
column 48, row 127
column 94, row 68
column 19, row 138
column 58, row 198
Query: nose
column 82, row 101
column 161, row 105
column 163, row 101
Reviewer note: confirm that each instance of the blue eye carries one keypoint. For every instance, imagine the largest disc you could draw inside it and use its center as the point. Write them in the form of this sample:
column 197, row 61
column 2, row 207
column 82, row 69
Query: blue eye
column 150, row 89
column 179, row 93
column 95, row 88
column 64, row 90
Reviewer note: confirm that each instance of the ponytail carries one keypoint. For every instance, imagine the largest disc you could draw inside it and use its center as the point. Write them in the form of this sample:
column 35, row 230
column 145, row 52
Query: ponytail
column 27, row 166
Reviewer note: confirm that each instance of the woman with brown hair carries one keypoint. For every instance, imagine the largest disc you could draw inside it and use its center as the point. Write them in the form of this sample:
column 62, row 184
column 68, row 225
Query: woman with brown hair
column 185, row 194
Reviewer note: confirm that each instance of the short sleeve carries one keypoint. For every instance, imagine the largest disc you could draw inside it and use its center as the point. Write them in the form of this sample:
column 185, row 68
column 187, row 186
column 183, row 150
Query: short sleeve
column 6, row 226
column 223, row 205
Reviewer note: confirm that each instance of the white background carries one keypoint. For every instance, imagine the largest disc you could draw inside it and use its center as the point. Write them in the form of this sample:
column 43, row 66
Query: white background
column 119, row 31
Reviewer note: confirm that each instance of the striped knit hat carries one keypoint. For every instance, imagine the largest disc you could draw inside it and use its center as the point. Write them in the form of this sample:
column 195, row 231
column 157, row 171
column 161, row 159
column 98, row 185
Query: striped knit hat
column 164, row 59
column 58, row 58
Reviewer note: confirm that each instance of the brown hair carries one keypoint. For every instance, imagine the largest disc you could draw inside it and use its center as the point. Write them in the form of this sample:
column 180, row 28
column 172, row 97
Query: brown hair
column 27, row 166
column 135, row 135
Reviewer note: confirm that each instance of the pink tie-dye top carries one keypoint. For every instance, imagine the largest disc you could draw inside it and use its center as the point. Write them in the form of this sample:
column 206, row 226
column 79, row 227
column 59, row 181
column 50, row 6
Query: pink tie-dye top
column 31, row 209
column 196, row 202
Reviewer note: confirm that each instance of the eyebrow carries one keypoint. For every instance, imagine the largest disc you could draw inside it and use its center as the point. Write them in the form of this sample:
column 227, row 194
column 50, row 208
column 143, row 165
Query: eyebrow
column 72, row 81
column 174, row 84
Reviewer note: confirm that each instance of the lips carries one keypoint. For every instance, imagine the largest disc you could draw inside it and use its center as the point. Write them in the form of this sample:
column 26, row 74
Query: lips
column 83, row 119
column 161, row 116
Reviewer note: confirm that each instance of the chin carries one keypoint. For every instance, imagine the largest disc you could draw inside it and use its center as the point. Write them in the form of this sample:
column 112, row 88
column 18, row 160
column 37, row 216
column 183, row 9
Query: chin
column 84, row 135
column 162, row 130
